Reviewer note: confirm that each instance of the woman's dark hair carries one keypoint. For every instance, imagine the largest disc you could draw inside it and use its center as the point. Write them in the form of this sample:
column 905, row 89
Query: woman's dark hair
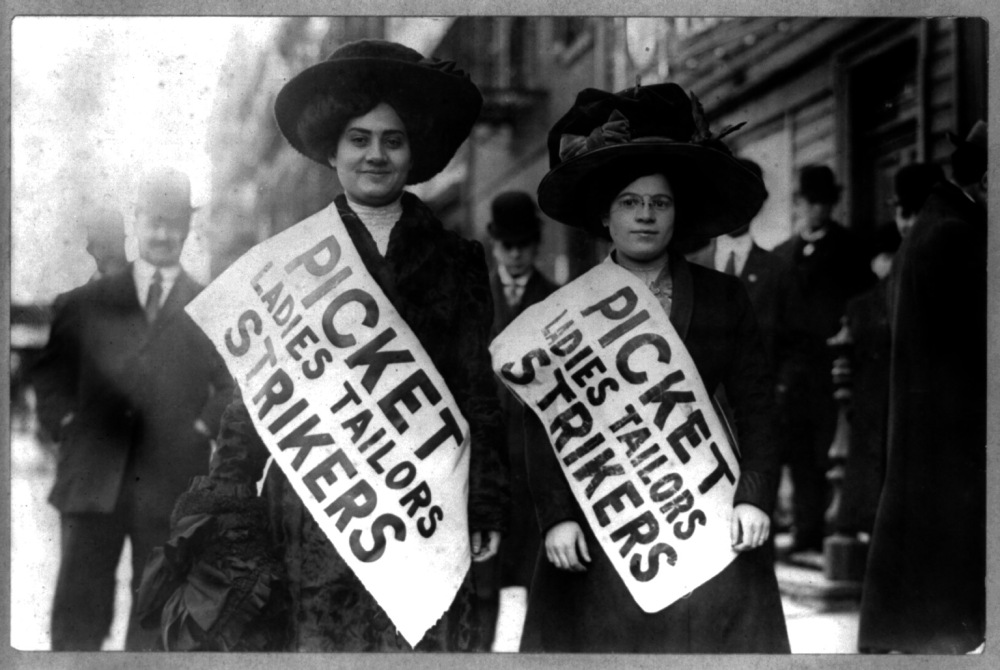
column 605, row 184
column 323, row 121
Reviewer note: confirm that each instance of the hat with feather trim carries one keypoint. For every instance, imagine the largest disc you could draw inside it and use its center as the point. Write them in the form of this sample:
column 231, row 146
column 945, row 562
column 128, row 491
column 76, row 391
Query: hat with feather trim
column 607, row 140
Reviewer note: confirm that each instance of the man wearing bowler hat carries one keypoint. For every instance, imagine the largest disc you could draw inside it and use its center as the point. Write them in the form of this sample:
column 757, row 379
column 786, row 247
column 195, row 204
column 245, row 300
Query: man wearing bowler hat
column 132, row 390
column 516, row 284
column 830, row 267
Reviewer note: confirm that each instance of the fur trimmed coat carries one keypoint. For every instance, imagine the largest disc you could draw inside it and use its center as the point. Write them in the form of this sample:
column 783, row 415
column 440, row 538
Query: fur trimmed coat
column 439, row 284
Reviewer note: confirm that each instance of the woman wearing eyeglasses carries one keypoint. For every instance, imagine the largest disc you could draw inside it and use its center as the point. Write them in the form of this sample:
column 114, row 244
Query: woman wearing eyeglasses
column 642, row 168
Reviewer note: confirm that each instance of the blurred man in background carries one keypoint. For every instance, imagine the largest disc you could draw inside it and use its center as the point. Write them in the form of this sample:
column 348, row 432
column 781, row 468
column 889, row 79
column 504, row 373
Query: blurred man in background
column 132, row 390
column 516, row 284
column 105, row 228
column 925, row 584
column 830, row 267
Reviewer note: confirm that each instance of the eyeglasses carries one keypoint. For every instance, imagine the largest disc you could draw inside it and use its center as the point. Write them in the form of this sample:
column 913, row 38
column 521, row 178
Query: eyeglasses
column 630, row 203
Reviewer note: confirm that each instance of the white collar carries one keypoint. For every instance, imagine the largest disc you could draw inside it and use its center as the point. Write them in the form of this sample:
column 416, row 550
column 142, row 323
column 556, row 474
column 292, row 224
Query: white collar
column 506, row 279
column 738, row 245
column 142, row 275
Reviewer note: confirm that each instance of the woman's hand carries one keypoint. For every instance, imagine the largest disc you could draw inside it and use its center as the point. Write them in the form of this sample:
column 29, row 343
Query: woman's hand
column 750, row 527
column 566, row 545
column 481, row 550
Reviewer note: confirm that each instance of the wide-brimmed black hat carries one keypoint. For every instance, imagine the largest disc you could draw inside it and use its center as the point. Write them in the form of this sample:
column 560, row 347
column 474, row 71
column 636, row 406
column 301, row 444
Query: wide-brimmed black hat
column 817, row 184
column 515, row 219
column 443, row 95
column 607, row 140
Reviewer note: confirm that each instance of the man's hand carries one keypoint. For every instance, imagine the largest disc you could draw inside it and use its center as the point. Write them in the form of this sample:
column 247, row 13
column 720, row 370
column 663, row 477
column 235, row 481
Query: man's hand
column 481, row 550
column 750, row 527
column 566, row 546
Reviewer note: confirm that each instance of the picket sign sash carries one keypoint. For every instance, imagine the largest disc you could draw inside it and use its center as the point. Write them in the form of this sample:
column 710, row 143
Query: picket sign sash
column 633, row 428
column 352, row 410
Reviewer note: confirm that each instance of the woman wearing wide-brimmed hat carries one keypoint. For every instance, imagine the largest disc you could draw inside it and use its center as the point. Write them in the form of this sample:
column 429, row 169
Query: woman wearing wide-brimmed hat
column 382, row 117
column 642, row 167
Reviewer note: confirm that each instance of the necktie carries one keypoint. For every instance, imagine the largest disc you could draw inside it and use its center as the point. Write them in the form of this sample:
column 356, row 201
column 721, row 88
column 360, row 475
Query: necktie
column 512, row 292
column 154, row 296
column 731, row 264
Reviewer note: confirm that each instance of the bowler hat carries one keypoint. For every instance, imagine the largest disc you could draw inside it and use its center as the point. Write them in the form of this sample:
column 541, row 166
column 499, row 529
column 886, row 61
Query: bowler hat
column 166, row 192
column 443, row 95
column 606, row 140
column 817, row 184
column 515, row 220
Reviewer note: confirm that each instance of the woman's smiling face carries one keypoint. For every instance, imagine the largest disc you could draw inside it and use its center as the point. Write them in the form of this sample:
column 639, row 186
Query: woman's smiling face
column 373, row 158
column 641, row 220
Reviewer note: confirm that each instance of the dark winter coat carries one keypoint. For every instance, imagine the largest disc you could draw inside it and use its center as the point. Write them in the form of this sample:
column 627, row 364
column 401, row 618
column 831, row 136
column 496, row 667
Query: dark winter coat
column 924, row 589
column 520, row 545
column 768, row 281
column 439, row 284
column 135, row 390
column 739, row 610
column 868, row 322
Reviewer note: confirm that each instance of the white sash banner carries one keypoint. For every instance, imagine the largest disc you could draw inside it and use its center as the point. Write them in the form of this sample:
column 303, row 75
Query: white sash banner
column 633, row 429
column 353, row 410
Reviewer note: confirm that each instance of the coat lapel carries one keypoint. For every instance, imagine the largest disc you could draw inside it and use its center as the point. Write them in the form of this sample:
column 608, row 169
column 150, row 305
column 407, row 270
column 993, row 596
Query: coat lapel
column 120, row 291
column 181, row 293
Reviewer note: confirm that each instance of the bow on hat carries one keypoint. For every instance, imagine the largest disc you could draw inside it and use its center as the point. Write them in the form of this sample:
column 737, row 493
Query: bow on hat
column 657, row 128
column 651, row 119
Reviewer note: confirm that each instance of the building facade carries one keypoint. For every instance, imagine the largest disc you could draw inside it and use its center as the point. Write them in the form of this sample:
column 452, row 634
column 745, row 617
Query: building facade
column 862, row 95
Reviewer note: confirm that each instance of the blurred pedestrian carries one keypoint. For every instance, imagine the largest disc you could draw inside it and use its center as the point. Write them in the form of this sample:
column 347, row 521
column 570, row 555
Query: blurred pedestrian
column 382, row 117
column 867, row 320
column 830, row 267
column 770, row 284
column 516, row 283
column 131, row 389
column 105, row 228
column 641, row 167
column 925, row 585
column 912, row 185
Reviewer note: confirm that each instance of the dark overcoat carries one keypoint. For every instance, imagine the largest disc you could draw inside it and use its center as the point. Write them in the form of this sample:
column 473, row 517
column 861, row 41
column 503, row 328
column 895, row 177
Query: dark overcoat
column 439, row 284
column 135, row 391
column 924, row 588
column 864, row 469
column 768, row 280
column 739, row 610
column 520, row 545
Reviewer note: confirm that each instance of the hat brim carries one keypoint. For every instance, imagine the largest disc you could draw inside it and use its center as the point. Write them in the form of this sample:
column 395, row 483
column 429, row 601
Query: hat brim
column 716, row 194
column 451, row 104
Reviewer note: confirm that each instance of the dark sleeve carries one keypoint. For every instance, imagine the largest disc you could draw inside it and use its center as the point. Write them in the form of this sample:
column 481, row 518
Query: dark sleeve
column 748, row 388
column 476, row 395
column 554, row 501
column 54, row 374
column 240, row 454
column 222, row 388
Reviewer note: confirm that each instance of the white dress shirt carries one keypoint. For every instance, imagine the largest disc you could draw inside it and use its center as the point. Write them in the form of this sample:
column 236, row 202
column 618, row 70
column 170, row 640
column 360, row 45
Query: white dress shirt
column 726, row 245
column 142, row 275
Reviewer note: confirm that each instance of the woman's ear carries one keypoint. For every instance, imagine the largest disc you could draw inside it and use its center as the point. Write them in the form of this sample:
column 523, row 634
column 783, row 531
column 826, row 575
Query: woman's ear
column 332, row 159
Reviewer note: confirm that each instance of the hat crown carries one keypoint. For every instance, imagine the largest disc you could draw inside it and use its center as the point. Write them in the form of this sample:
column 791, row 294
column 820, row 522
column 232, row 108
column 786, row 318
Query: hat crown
column 376, row 49
column 165, row 191
column 514, row 216
column 817, row 183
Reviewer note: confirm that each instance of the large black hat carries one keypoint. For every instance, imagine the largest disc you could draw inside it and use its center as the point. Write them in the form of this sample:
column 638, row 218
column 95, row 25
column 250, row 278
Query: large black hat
column 606, row 140
column 515, row 220
column 444, row 97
